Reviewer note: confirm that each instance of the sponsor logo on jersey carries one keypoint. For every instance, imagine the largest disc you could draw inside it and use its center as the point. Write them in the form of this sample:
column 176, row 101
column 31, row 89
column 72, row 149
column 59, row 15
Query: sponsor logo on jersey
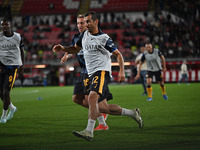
column 9, row 46
column 92, row 47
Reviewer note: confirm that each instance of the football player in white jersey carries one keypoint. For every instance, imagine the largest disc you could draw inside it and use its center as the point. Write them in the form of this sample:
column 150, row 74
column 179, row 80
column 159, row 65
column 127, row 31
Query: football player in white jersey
column 11, row 60
column 80, row 94
column 153, row 59
column 97, row 48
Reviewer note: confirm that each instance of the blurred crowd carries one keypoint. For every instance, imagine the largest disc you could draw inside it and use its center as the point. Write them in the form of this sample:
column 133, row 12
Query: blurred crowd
column 176, row 36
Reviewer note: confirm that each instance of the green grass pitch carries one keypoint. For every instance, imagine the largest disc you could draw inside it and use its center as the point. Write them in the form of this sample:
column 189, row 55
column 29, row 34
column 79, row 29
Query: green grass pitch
column 47, row 124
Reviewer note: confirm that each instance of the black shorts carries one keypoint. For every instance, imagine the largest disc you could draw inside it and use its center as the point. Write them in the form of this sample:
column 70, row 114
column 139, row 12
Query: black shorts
column 7, row 77
column 158, row 75
column 79, row 88
column 98, row 82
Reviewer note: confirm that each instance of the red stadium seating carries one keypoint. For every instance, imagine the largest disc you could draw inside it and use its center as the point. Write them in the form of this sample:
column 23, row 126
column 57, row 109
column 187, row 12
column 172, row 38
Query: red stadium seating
column 123, row 5
column 39, row 7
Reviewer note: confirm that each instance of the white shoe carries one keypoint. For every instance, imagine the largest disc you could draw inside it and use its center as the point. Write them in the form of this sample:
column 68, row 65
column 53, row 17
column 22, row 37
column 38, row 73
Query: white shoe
column 3, row 120
column 137, row 117
column 11, row 113
column 84, row 134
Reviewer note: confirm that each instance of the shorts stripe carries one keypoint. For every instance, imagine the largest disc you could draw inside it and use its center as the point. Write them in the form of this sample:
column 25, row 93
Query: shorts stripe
column 14, row 78
column 102, row 82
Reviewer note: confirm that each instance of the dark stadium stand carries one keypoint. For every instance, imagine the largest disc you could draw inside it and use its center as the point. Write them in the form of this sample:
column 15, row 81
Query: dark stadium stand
column 37, row 7
column 45, row 23
column 122, row 5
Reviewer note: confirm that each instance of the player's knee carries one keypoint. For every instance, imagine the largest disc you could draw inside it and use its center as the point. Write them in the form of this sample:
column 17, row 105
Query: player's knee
column 148, row 86
column 93, row 97
column 75, row 99
column 103, row 107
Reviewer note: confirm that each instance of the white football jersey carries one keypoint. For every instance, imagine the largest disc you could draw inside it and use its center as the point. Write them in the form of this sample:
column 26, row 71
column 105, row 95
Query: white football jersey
column 10, row 53
column 97, row 56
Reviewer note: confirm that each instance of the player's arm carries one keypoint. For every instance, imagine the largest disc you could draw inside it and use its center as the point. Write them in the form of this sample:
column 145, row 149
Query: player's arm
column 137, row 60
column 113, row 49
column 73, row 49
column 69, row 49
column 65, row 57
column 139, row 67
column 120, row 59
column 21, row 68
column 163, row 63
column 139, row 70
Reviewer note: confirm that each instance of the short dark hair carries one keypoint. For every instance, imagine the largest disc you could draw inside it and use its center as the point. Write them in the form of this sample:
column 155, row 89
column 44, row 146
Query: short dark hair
column 148, row 43
column 94, row 15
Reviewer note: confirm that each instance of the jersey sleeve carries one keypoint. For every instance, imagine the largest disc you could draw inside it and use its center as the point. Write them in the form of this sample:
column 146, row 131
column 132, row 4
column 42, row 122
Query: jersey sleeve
column 79, row 42
column 21, row 44
column 143, row 58
column 73, row 42
column 159, row 53
column 110, row 45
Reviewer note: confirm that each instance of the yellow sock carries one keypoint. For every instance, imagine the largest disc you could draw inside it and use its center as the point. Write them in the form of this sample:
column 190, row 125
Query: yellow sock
column 163, row 90
column 149, row 91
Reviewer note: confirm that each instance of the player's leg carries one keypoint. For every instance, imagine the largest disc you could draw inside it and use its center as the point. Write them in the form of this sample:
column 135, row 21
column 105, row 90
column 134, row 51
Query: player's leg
column 186, row 78
column 10, row 77
column 114, row 109
column 96, row 84
column 3, row 82
column 6, row 100
column 103, row 116
column 182, row 77
column 143, row 80
column 92, row 116
column 4, row 112
column 81, row 99
column 162, row 87
column 149, row 77
column 149, row 89
column 79, row 91
column 159, row 78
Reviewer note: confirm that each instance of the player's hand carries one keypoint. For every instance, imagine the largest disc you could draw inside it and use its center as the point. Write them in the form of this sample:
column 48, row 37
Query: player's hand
column 57, row 48
column 121, row 76
column 64, row 58
column 137, row 77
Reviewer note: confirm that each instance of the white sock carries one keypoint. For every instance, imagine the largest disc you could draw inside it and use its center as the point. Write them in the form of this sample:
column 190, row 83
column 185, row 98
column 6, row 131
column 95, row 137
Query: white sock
column 11, row 106
column 127, row 112
column 90, row 125
column 101, row 120
column 4, row 114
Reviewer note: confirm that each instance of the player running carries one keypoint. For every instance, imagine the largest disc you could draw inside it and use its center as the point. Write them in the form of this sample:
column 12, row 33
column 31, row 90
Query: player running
column 97, row 48
column 11, row 59
column 80, row 94
column 154, row 68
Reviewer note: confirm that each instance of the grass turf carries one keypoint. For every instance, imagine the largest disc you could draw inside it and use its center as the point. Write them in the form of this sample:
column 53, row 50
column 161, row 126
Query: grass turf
column 48, row 123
